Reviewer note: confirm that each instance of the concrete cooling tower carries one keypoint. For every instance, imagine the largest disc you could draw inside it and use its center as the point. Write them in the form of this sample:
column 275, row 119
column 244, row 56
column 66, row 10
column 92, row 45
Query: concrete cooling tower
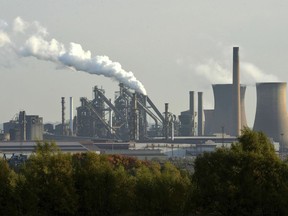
column 222, row 118
column 271, row 113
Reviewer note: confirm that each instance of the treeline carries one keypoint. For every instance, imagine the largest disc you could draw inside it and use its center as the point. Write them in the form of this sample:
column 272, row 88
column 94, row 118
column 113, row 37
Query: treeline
column 54, row 183
column 247, row 179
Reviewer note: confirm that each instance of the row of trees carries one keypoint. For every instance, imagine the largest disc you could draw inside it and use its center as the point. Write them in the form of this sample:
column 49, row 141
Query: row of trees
column 54, row 183
column 247, row 179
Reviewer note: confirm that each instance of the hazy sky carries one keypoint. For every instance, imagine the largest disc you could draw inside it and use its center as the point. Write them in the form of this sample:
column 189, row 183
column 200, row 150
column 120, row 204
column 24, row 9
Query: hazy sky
column 172, row 47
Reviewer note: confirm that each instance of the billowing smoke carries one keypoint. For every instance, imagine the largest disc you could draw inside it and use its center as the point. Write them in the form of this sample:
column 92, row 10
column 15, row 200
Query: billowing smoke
column 4, row 39
column 250, row 74
column 214, row 72
column 74, row 57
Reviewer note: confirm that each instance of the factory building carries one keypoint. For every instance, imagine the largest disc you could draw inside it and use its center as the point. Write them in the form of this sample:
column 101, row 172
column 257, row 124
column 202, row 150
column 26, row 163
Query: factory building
column 25, row 127
column 125, row 119
column 188, row 125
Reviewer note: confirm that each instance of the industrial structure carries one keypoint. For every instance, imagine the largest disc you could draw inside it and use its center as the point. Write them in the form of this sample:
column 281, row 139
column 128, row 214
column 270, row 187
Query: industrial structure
column 25, row 127
column 220, row 120
column 133, row 117
column 125, row 119
column 228, row 115
column 271, row 112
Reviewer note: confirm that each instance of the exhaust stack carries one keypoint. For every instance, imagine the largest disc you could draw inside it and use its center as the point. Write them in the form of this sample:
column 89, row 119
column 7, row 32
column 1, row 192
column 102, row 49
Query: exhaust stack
column 71, row 116
column 236, row 92
column 200, row 113
column 192, row 111
column 63, row 115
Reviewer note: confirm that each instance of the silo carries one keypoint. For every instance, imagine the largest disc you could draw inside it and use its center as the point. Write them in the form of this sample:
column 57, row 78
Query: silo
column 271, row 113
column 223, row 110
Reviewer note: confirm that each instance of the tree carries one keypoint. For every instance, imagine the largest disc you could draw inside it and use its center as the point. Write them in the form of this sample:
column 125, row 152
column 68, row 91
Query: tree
column 161, row 190
column 46, row 186
column 7, row 186
column 248, row 179
column 102, row 189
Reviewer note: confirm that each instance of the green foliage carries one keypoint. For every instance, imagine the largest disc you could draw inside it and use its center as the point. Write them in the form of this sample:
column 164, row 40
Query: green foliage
column 47, row 185
column 247, row 179
column 254, row 142
column 7, row 186
column 161, row 190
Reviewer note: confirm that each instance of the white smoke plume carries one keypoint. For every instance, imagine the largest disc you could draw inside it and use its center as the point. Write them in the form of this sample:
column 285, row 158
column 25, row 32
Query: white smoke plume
column 4, row 39
column 249, row 73
column 36, row 45
column 214, row 72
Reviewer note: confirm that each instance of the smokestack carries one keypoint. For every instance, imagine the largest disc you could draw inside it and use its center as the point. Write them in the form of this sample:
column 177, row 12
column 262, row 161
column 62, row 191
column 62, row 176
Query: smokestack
column 192, row 111
column 71, row 115
column 200, row 113
column 135, row 124
column 22, row 122
column 191, row 102
column 63, row 115
column 236, row 92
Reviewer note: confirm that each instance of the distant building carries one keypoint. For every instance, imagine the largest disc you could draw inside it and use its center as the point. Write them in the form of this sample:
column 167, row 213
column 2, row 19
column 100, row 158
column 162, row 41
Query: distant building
column 25, row 128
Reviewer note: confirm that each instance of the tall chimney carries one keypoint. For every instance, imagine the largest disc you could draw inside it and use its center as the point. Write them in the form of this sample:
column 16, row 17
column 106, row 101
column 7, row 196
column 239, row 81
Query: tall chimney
column 192, row 111
column 236, row 92
column 63, row 115
column 200, row 113
column 71, row 116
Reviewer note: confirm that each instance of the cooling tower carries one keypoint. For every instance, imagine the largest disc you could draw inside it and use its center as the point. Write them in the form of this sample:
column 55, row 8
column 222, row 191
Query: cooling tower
column 271, row 113
column 223, row 115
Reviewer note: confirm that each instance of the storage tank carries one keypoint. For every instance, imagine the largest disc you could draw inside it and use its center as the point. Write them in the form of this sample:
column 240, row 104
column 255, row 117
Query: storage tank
column 271, row 113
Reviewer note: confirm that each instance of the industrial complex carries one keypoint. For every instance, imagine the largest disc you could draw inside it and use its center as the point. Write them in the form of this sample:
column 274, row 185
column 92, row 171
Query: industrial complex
column 131, row 124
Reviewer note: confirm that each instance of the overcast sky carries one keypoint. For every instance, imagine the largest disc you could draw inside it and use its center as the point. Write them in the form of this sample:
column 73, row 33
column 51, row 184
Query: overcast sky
column 172, row 47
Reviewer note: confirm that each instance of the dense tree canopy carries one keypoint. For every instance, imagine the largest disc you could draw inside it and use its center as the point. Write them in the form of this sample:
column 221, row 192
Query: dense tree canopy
column 246, row 179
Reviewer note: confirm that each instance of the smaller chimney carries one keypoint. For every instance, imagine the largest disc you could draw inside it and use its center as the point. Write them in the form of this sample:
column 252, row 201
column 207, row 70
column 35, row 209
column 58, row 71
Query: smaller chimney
column 71, row 116
column 192, row 111
column 200, row 113
column 191, row 102
column 63, row 115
